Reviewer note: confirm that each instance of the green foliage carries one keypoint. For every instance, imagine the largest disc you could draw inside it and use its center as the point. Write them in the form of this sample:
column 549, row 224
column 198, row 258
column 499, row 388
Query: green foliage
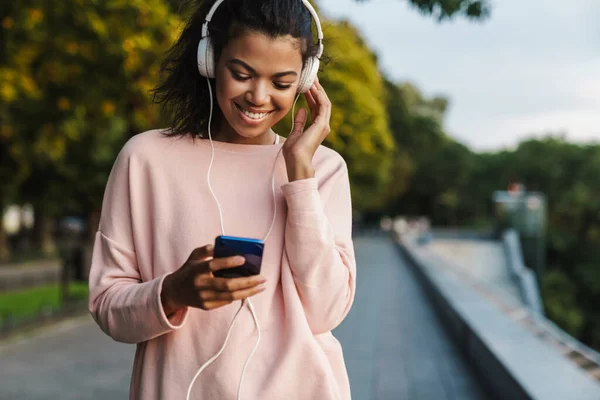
column 359, row 125
column 569, row 175
column 560, row 302
column 74, row 82
column 28, row 303
column 453, row 186
column 431, row 171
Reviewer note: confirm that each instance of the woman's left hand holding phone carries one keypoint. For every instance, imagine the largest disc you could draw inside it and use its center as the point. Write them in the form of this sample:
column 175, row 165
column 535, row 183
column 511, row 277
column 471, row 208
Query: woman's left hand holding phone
column 194, row 284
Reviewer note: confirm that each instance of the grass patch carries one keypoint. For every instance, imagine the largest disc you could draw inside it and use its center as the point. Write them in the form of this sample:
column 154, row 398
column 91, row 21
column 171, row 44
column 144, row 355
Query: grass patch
column 27, row 303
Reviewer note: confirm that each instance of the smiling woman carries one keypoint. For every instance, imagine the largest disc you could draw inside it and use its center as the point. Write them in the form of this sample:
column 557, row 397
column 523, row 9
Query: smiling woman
column 265, row 48
column 156, row 279
column 256, row 80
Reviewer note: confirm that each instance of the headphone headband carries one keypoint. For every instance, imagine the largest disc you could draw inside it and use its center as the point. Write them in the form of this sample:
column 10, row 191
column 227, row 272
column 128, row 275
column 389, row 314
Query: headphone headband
column 308, row 6
column 206, row 61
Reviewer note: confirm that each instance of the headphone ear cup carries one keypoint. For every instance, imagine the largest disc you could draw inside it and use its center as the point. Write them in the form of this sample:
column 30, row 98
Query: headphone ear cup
column 206, row 59
column 309, row 74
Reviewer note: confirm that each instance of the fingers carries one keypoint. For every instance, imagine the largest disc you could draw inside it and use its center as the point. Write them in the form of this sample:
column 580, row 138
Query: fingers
column 216, row 296
column 235, row 284
column 217, row 264
column 299, row 121
column 208, row 292
column 312, row 104
column 202, row 267
column 319, row 95
column 201, row 253
column 219, row 292
column 318, row 83
column 211, row 299
column 310, row 99
column 324, row 105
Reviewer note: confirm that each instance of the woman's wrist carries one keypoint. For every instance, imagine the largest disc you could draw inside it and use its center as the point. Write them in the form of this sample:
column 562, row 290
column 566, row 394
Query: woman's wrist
column 169, row 305
column 297, row 170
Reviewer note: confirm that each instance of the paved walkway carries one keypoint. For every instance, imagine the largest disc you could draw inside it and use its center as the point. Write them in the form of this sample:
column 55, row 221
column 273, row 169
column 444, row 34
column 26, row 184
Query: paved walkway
column 75, row 361
column 394, row 346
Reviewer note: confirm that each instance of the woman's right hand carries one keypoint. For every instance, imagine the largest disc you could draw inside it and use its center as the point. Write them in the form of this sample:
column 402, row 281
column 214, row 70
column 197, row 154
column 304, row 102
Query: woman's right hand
column 194, row 284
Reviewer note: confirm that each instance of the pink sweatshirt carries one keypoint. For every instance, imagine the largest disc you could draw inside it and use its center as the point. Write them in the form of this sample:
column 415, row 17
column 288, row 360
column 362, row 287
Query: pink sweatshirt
column 157, row 208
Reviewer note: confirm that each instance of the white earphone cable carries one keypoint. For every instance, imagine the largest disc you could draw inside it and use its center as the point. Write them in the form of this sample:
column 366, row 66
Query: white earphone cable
column 247, row 300
column 239, row 396
column 212, row 156
column 273, row 175
column 213, row 358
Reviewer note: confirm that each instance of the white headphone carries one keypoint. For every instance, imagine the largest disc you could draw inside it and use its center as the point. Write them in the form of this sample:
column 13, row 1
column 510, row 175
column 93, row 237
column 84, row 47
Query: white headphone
column 206, row 59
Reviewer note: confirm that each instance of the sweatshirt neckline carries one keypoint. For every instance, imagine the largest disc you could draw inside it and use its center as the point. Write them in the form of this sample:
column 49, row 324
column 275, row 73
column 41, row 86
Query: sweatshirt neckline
column 240, row 148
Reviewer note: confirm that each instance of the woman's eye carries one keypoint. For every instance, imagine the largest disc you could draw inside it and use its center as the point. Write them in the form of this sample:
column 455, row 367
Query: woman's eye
column 282, row 86
column 239, row 77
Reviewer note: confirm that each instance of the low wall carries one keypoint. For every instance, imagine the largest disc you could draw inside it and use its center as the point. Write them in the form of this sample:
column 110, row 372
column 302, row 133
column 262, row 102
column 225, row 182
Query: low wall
column 510, row 360
column 23, row 276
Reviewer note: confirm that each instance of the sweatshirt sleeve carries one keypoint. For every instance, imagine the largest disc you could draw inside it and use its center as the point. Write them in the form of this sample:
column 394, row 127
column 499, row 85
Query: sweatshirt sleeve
column 126, row 307
column 318, row 241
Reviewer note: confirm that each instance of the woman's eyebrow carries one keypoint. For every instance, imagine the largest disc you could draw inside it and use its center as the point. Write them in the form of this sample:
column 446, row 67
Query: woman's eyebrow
column 252, row 71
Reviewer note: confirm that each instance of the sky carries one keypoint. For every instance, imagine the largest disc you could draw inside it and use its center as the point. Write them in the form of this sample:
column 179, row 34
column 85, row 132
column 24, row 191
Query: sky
column 532, row 68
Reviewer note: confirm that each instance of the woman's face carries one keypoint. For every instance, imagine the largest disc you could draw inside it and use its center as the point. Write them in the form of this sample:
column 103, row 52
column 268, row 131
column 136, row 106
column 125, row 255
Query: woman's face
column 256, row 80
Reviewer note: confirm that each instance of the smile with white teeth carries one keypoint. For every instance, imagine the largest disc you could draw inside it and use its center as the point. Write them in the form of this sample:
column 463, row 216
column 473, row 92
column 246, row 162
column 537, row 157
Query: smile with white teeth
column 252, row 115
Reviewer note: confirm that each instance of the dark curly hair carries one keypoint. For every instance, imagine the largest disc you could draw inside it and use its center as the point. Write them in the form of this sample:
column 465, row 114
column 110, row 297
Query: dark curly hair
column 183, row 92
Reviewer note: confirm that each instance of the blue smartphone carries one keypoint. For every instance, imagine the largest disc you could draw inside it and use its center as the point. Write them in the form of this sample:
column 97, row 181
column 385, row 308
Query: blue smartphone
column 251, row 249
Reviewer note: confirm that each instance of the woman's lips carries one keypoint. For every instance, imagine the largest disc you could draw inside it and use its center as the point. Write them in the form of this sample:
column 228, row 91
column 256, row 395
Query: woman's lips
column 249, row 120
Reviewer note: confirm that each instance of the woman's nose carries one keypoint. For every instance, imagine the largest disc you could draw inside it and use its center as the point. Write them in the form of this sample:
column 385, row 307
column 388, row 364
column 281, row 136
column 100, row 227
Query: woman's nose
column 258, row 93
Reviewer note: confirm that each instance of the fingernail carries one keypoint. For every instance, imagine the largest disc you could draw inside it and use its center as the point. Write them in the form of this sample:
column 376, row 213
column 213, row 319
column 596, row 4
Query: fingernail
column 239, row 259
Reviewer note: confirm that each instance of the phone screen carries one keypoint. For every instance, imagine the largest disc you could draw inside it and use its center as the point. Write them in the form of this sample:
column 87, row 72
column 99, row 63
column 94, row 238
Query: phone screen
column 251, row 249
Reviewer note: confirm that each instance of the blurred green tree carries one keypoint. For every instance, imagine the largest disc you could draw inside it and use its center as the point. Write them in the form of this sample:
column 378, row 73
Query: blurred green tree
column 74, row 82
column 431, row 170
column 569, row 175
column 359, row 123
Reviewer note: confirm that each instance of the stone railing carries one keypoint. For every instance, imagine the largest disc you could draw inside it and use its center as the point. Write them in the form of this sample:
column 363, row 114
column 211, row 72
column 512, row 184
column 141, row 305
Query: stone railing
column 512, row 359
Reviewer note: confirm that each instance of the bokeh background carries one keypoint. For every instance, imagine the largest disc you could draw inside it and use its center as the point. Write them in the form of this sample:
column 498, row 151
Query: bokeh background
column 437, row 104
